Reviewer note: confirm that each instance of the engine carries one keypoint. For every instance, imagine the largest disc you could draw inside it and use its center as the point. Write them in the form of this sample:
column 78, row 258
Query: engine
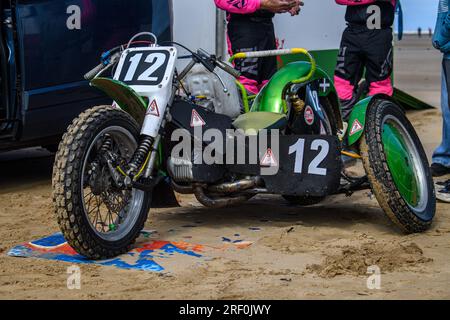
column 202, row 83
column 180, row 170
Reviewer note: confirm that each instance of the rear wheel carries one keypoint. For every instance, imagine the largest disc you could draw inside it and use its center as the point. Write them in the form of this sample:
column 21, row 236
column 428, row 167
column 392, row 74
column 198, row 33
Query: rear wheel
column 397, row 167
column 98, row 218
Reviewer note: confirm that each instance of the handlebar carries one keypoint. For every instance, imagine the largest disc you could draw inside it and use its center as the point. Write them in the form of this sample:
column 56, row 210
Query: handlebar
column 280, row 52
column 210, row 62
column 91, row 74
column 107, row 61
column 227, row 68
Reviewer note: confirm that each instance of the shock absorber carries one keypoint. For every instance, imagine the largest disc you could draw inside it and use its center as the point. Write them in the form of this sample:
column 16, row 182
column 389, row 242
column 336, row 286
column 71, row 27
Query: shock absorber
column 141, row 153
column 297, row 103
column 107, row 144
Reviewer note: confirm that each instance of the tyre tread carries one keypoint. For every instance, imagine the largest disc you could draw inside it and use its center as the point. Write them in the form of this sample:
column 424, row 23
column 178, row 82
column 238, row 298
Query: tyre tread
column 66, row 188
column 380, row 177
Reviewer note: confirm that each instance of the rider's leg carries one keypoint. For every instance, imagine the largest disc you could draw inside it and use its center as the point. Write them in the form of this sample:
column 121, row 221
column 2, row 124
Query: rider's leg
column 268, row 66
column 348, row 73
column 247, row 36
column 348, row 70
column 441, row 156
column 378, row 51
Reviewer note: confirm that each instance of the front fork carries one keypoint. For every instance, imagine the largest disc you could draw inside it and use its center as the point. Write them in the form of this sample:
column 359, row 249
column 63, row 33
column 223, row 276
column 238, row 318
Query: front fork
column 144, row 159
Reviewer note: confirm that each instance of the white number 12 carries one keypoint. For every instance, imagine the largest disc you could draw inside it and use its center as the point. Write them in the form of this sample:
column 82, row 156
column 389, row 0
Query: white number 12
column 156, row 60
column 299, row 149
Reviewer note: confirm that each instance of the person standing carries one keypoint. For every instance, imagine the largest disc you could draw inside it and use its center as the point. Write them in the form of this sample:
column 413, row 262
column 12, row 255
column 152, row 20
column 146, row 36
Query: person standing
column 250, row 28
column 366, row 44
column 440, row 167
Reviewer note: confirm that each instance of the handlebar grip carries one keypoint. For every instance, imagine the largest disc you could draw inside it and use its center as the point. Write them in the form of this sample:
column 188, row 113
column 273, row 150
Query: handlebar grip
column 268, row 53
column 91, row 74
column 229, row 69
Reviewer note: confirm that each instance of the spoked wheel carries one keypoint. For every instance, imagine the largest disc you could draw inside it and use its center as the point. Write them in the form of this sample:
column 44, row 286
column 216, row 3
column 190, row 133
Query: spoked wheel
column 98, row 216
column 397, row 167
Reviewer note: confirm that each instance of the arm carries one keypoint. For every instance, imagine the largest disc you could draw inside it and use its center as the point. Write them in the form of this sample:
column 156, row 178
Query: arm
column 250, row 6
column 445, row 32
column 239, row 6
column 360, row 2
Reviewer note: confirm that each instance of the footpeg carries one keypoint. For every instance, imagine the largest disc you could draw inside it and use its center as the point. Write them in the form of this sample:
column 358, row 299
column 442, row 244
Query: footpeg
column 147, row 184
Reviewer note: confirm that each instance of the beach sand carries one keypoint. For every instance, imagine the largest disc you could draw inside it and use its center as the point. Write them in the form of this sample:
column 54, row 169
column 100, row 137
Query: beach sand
column 319, row 252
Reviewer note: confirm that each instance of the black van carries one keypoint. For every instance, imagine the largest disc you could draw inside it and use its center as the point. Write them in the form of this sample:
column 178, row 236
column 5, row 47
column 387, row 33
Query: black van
column 45, row 48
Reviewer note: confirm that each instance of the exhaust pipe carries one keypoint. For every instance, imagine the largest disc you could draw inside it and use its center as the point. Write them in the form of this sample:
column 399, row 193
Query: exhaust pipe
column 231, row 187
column 182, row 189
column 199, row 193
column 237, row 186
column 225, row 188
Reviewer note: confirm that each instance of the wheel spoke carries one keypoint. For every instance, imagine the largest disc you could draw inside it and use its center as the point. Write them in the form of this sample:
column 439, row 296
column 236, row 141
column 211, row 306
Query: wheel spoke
column 106, row 206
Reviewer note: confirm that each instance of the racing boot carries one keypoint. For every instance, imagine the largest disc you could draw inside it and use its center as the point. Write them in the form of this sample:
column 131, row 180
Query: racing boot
column 349, row 153
column 443, row 191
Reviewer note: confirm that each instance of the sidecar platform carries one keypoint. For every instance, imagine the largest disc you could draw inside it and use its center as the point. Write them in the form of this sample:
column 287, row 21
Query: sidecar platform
column 304, row 165
column 255, row 121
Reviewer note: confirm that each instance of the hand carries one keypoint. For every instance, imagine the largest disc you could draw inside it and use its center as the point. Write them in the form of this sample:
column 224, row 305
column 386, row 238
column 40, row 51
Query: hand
column 279, row 6
column 296, row 10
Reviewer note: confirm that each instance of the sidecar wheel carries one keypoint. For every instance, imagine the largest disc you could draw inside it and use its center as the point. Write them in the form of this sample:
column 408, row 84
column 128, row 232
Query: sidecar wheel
column 303, row 200
column 397, row 167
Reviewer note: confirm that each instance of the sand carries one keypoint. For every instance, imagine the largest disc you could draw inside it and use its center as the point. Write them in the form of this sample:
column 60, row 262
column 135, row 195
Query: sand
column 321, row 252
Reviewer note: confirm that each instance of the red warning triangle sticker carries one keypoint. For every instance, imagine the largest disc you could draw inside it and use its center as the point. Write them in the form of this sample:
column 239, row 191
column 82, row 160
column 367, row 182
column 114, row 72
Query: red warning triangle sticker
column 356, row 127
column 153, row 109
column 269, row 159
column 323, row 132
column 197, row 120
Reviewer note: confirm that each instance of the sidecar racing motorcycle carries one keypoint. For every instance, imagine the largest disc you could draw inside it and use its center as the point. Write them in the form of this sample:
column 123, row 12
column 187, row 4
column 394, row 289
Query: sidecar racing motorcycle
column 112, row 158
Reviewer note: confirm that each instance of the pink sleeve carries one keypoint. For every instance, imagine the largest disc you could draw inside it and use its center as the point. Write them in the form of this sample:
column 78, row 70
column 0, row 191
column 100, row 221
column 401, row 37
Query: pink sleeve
column 239, row 6
column 360, row 2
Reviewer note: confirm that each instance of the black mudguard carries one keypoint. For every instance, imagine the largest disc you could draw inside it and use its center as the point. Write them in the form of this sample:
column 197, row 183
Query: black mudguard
column 305, row 183
column 183, row 113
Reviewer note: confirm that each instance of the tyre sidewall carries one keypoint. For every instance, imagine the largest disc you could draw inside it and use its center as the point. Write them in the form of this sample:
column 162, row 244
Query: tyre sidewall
column 404, row 215
column 83, row 131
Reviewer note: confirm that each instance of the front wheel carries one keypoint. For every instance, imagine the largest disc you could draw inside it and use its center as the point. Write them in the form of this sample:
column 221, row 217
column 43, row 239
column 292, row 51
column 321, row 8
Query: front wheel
column 98, row 218
column 397, row 167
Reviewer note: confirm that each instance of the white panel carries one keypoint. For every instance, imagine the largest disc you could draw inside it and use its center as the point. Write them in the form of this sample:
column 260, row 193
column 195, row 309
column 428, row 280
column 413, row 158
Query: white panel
column 319, row 26
column 195, row 23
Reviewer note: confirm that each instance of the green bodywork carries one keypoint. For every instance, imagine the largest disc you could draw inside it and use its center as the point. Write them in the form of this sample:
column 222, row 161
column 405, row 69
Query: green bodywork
column 252, row 122
column 407, row 101
column 358, row 118
column 326, row 59
column 358, row 115
column 127, row 99
column 270, row 99
column 400, row 164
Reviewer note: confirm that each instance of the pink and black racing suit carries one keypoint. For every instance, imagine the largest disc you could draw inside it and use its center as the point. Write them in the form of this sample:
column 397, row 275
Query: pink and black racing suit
column 366, row 45
column 250, row 29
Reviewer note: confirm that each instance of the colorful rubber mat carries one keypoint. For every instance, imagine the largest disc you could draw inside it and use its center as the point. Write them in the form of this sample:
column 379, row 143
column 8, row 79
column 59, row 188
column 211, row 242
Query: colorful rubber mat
column 142, row 257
